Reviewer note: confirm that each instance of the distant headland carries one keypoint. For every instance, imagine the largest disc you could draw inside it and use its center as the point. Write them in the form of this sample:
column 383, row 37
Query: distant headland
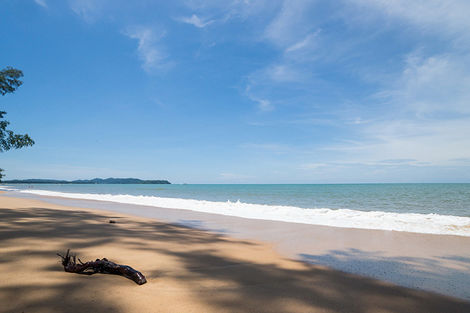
column 86, row 181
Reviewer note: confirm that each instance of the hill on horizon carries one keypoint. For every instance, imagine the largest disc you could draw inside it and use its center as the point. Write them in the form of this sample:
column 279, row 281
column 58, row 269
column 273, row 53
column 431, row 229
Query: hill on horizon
column 86, row 181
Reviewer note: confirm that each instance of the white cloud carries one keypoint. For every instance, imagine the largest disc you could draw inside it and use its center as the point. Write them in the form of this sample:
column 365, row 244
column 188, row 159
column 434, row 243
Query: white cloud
column 432, row 142
column 284, row 23
column 292, row 31
column 41, row 3
column 270, row 147
column 235, row 177
column 232, row 9
column 307, row 42
column 312, row 166
column 418, row 112
column 439, row 16
column 151, row 54
column 425, row 118
column 436, row 83
column 429, row 85
column 425, row 107
column 263, row 104
column 292, row 67
column 88, row 9
column 195, row 21
column 263, row 83
column 282, row 73
column 291, row 23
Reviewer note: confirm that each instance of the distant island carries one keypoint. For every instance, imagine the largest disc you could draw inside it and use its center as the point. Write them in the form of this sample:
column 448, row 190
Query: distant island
column 86, row 181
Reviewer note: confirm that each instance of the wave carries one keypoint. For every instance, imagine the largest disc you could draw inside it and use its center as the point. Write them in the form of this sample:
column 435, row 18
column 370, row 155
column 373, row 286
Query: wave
column 409, row 222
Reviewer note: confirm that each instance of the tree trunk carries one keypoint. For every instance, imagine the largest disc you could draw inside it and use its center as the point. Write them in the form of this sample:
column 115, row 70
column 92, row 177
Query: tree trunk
column 100, row 266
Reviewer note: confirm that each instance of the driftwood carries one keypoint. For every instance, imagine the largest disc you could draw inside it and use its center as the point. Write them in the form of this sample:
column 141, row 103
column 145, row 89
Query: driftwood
column 100, row 266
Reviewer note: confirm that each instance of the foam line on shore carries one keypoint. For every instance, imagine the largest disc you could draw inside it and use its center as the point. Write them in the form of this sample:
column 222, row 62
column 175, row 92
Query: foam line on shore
column 410, row 222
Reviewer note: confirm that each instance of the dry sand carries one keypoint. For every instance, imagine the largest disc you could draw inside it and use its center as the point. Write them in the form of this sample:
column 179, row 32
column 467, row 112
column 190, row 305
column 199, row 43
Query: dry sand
column 188, row 270
column 437, row 263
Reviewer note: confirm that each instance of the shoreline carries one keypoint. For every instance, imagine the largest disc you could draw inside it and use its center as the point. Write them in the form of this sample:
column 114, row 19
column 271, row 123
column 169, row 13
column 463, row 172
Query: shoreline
column 188, row 270
column 414, row 222
column 438, row 263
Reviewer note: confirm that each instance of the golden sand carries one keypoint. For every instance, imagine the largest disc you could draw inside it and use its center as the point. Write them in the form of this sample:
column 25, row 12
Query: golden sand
column 188, row 270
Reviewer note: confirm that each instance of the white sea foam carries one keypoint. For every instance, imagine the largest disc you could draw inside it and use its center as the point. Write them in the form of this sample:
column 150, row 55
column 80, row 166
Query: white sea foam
column 410, row 222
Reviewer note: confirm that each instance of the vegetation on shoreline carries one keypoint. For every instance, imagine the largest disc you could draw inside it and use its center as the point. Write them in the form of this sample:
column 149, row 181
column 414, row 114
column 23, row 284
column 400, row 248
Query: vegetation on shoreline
column 87, row 181
column 9, row 82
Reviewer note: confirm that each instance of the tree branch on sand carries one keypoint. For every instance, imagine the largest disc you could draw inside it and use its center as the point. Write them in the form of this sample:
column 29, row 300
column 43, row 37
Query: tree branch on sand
column 103, row 266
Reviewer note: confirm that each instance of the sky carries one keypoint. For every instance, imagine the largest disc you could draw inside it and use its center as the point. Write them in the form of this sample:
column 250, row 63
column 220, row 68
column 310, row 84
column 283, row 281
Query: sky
column 240, row 91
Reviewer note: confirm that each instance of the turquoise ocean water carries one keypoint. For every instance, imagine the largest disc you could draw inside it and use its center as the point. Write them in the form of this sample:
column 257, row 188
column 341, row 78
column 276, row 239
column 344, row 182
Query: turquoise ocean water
column 421, row 208
column 444, row 199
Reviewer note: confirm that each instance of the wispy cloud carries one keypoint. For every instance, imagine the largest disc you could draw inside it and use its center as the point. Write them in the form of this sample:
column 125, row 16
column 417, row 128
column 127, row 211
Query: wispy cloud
column 425, row 102
column 270, row 147
column 235, row 177
column 437, row 83
column 233, row 9
column 88, row 10
column 307, row 42
column 148, row 48
column 408, row 103
column 313, row 166
column 283, row 72
column 448, row 17
column 291, row 31
column 434, row 142
column 42, row 3
column 195, row 21
column 263, row 104
column 291, row 23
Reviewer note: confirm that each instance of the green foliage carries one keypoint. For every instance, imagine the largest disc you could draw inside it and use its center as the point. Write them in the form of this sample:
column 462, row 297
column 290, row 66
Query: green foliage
column 9, row 82
column 9, row 140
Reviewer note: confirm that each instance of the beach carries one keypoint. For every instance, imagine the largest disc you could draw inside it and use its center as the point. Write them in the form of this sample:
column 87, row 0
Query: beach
column 188, row 269
column 235, row 156
column 433, row 262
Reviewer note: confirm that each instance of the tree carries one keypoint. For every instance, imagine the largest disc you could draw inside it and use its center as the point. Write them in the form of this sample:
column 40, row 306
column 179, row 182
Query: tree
column 9, row 82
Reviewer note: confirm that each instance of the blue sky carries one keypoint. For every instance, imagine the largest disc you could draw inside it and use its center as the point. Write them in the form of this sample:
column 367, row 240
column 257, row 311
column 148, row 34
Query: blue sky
column 240, row 91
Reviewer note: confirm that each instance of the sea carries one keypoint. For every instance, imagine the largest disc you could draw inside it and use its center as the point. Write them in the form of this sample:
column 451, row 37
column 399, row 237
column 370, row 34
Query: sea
column 421, row 208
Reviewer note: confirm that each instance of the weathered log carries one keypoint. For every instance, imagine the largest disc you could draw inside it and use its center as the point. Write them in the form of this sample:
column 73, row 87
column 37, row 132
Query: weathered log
column 100, row 266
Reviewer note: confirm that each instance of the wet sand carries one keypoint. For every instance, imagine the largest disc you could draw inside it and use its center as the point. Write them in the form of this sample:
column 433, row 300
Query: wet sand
column 188, row 270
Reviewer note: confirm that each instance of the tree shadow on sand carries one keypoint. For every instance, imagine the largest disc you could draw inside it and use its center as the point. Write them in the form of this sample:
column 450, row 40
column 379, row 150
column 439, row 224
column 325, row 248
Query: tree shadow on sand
column 223, row 283
column 422, row 273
